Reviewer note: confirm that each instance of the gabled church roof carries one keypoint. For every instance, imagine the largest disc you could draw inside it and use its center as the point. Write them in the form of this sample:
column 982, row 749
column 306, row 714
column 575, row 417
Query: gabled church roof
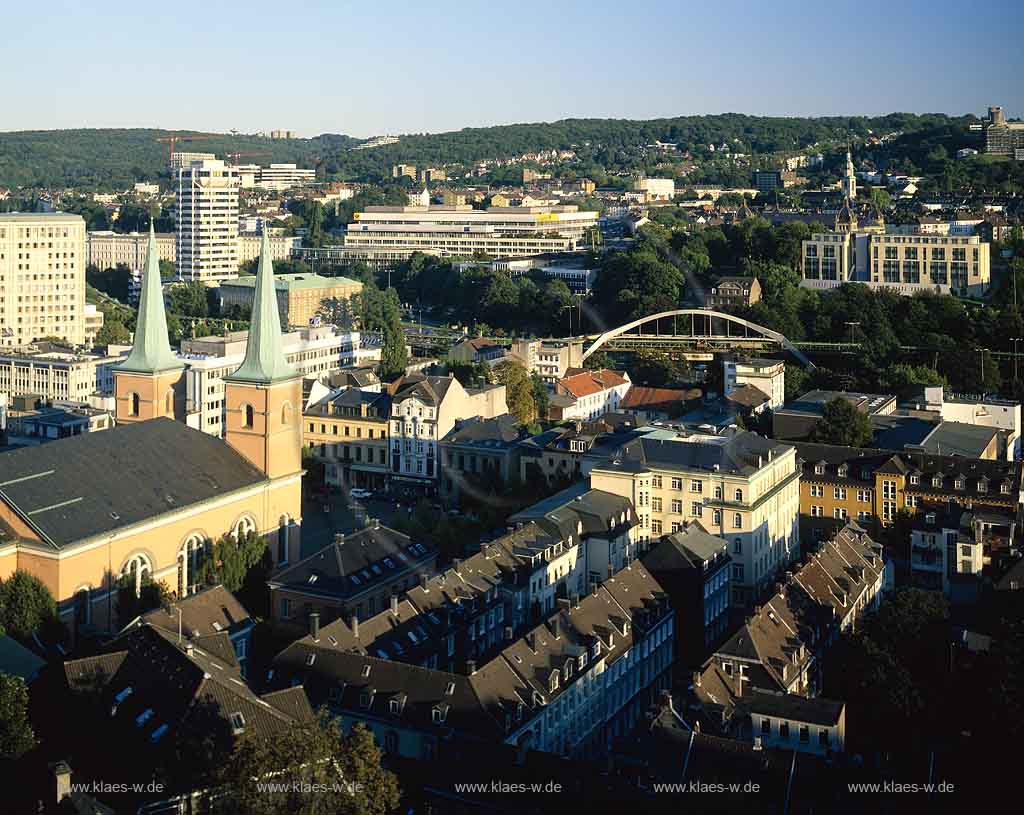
column 264, row 361
column 151, row 351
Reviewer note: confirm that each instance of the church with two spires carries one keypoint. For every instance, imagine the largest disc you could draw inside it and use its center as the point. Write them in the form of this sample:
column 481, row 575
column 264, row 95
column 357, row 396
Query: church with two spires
column 137, row 503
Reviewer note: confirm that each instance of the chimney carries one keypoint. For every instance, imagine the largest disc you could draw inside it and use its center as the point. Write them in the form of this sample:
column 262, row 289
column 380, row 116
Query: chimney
column 355, row 626
column 738, row 681
column 61, row 780
column 339, row 538
column 423, row 582
column 564, row 604
column 470, row 667
column 778, row 588
column 696, row 679
column 531, row 640
column 375, row 523
column 314, row 625
column 508, row 633
column 457, row 564
column 394, row 604
column 757, row 744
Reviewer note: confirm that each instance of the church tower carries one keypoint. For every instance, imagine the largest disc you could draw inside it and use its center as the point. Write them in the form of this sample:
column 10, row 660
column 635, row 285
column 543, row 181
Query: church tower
column 263, row 398
column 148, row 384
column 849, row 182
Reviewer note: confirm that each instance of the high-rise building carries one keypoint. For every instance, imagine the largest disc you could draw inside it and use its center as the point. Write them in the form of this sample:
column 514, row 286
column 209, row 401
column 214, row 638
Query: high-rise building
column 207, row 221
column 1003, row 138
column 42, row 278
column 284, row 177
column 184, row 159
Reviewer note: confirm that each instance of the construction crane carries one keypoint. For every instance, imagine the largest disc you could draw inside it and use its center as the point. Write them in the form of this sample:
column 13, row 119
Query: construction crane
column 234, row 157
column 173, row 140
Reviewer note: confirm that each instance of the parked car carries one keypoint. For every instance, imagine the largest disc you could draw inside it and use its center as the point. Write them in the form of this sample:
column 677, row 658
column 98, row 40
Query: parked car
column 358, row 492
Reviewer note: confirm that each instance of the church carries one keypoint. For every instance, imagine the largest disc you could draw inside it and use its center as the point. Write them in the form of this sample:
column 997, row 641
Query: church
column 140, row 501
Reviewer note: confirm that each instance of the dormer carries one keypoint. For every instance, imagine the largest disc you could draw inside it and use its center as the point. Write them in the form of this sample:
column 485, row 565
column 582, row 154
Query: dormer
column 1004, row 487
column 819, row 468
column 366, row 697
column 567, row 670
column 396, row 704
column 982, row 485
column 959, row 482
column 439, row 713
column 937, row 481
column 842, row 470
column 553, row 680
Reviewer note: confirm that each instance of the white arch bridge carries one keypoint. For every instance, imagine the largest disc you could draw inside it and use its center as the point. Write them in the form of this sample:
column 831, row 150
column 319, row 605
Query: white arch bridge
column 694, row 330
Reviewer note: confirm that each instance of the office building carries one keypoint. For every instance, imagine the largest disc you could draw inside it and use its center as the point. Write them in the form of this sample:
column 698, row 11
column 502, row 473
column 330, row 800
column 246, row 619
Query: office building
column 180, row 160
column 1003, row 138
column 767, row 375
column 281, row 246
column 903, row 259
column 656, row 189
column 53, row 372
column 301, row 297
column 284, row 176
column 461, row 231
column 42, row 278
column 107, row 250
column 209, row 361
column 207, row 221
column 743, row 488
column 404, row 171
column 567, row 268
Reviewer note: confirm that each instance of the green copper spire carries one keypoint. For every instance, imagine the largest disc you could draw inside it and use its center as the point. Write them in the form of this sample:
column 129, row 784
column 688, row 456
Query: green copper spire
column 151, row 351
column 264, row 354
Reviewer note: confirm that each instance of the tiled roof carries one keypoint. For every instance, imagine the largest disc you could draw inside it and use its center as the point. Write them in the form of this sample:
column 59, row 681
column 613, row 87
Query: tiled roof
column 641, row 397
column 205, row 613
column 588, row 383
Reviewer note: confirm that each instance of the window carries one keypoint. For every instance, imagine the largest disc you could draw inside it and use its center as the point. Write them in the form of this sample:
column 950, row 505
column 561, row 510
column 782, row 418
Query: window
column 169, row 403
column 286, row 608
column 817, row 511
column 739, row 495
column 189, row 560
column 677, row 507
column 766, row 727
column 696, row 486
column 784, row 730
column 696, row 509
column 958, row 484
column 737, row 521
column 656, row 482
column 817, row 491
column 965, row 551
column 805, row 734
column 286, row 416
column 677, row 483
column 655, row 527
column 248, row 416
column 717, row 516
column 819, row 469
column 656, row 504
column 823, row 737
column 839, row 513
column 135, row 571
column 737, row 546
column 839, row 493
column 134, row 403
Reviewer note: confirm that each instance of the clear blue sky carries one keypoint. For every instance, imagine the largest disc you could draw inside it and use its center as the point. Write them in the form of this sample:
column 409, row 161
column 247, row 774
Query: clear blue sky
column 365, row 68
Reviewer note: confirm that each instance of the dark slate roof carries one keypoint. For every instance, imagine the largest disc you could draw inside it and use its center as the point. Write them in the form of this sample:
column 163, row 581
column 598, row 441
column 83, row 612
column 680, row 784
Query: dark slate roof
column 792, row 706
column 688, row 548
column 203, row 614
column 73, row 489
column 185, row 686
column 959, row 439
column 353, row 398
column 563, row 513
column 430, row 390
column 354, row 562
column 738, row 455
column 501, row 431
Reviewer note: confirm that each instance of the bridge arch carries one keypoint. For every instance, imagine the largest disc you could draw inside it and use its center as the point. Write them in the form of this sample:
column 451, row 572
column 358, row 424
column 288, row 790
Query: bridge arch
column 700, row 312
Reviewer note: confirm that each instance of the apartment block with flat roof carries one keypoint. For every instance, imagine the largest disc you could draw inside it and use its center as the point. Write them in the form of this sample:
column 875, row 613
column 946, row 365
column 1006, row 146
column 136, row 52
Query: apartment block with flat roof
column 107, row 250
column 42, row 278
column 207, row 221
column 300, row 296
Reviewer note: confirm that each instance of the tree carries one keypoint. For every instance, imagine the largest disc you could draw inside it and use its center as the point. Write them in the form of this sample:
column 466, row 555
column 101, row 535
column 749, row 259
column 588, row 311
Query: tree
column 315, row 769
column 519, row 390
column 541, row 398
column 113, row 332
column 229, row 560
column 841, row 423
column 16, row 734
column 26, row 606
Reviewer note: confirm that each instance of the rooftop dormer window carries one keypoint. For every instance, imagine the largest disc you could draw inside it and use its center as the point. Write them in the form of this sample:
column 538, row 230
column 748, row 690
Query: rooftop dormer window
column 1004, row 488
column 819, row 469
column 843, row 470
column 937, row 481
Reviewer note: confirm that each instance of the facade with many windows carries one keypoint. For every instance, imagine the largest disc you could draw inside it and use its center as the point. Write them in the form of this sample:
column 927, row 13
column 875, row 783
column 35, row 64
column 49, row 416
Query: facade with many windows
column 744, row 489
column 42, row 278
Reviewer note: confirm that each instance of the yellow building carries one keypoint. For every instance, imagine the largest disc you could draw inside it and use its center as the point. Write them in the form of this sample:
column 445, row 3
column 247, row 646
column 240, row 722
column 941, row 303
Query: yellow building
column 348, row 432
column 300, row 296
column 874, row 486
column 141, row 501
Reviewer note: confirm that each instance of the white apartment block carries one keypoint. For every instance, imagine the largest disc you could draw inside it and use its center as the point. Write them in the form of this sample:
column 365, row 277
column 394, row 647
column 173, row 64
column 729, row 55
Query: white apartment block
column 42, row 278
column 587, row 395
column 56, row 373
column 423, row 411
column 767, row 375
column 1002, row 414
column 207, row 221
column 313, row 352
column 656, row 189
column 461, row 231
column 284, row 176
column 744, row 489
column 107, row 250
column 550, row 359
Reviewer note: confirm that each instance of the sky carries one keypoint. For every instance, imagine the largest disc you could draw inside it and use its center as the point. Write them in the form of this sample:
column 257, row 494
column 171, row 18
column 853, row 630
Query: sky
column 367, row 68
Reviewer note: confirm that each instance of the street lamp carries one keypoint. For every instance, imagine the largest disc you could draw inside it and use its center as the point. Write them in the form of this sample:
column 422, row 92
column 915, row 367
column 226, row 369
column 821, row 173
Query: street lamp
column 1015, row 340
